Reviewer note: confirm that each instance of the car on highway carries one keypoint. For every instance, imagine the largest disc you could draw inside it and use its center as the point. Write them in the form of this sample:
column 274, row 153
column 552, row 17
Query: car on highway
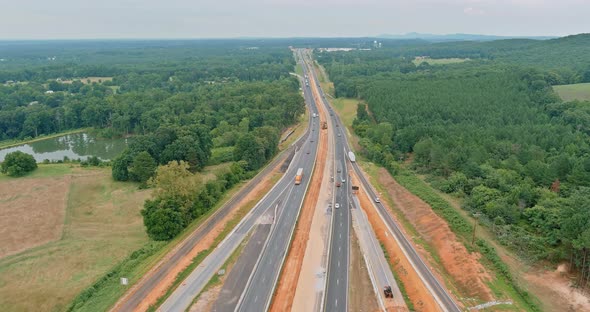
column 338, row 184
column 343, row 180
column 337, row 205
column 377, row 200
column 307, row 152
column 338, row 133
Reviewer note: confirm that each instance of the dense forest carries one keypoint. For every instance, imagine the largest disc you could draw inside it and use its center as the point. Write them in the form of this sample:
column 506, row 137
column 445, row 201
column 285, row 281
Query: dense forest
column 187, row 104
column 489, row 129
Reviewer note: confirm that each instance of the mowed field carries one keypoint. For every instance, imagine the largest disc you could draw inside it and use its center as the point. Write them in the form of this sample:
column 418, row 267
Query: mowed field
column 578, row 91
column 75, row 225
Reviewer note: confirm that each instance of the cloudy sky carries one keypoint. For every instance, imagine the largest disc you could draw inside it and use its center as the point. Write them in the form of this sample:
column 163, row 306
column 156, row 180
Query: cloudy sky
column 43, row 19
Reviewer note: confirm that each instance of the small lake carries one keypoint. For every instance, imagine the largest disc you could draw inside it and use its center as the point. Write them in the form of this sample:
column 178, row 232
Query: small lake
column 74, row 146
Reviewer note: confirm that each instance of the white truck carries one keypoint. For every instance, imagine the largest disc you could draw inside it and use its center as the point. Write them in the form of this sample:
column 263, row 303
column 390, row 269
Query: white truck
column 351, row 157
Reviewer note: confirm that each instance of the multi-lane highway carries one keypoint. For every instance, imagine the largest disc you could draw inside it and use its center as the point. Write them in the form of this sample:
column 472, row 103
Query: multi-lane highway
column 285, row 201
column 377, row 265
column 440, row 294
column 258, row 293
column 336, row 288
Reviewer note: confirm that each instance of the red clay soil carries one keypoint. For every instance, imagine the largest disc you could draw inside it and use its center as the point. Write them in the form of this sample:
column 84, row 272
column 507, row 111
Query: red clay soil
column 285, row 292
column 415, row 288
column 207, row 241
column 464, row 268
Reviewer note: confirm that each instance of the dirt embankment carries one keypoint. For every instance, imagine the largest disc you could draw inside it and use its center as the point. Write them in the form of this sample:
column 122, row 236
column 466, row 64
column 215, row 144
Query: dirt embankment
column 206, row 243
column 285, row 292
column 464, row 267
column 361, row 296
column 32, row 212
column 415, row 288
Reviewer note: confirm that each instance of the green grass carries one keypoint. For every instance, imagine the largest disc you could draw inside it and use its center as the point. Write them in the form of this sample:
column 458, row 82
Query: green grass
column 102, row 227
column 346, row 109
column 578, row 91
column 229, row 226
column 12, row 143
column 107, row 294
column 442, row 61
column 43, row 171
column 299, row 69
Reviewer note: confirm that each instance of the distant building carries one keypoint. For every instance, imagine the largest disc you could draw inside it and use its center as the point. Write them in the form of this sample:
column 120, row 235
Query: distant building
column 49, row 92
column 34, row 103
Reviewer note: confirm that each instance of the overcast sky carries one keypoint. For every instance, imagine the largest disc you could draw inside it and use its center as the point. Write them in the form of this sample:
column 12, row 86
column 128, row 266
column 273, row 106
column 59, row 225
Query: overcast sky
column 44, row 19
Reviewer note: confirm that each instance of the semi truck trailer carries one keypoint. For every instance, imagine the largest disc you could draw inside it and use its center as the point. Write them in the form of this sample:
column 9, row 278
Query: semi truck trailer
column 298, row 176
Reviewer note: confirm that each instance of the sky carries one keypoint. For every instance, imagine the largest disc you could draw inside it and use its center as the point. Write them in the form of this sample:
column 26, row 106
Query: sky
column 89, row 19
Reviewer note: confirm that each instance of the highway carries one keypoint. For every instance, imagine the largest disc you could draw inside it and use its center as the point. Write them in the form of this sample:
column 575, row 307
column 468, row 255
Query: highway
column 379, row 270
column 285, row 198
column 137, row 294
column 258, row 292
column 440, row 294
column 336, row 288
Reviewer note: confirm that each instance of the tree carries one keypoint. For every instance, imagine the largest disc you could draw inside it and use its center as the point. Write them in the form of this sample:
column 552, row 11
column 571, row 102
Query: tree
column 142, row 168
column 17, row 164
column 120, row 167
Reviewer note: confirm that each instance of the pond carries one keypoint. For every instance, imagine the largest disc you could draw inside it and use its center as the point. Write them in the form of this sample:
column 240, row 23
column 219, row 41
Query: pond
column 74, row 146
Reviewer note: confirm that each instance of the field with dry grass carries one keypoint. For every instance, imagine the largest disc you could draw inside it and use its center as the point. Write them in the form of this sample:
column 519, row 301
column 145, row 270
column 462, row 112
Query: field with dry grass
column 62, row 228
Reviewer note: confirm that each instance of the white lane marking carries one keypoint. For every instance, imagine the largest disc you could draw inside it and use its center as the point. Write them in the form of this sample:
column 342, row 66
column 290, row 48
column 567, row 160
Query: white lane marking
column 338, row 263
column 336, row 303
column 337, row 281
column 256, row 299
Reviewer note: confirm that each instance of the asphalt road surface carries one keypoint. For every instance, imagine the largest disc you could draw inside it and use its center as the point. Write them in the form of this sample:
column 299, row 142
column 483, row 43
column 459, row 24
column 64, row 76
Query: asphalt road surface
column 258, row 293
column 377, row 265
column 283, row 197
column 440, row 294
column 144, row 286
column 239, row 274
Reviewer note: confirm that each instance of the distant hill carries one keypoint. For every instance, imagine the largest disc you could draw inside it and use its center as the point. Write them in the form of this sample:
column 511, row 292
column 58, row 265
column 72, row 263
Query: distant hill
column 458, row 37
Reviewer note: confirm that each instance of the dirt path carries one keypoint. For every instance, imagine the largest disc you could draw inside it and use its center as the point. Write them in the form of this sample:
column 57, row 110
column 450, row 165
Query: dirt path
column 290, row 274
column 470, row 275
column 207, row 241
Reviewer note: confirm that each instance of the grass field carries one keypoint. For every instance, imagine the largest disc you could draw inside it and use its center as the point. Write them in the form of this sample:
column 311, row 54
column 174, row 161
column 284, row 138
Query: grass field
column 443, row 61
column 578, row 91
column 101, row 225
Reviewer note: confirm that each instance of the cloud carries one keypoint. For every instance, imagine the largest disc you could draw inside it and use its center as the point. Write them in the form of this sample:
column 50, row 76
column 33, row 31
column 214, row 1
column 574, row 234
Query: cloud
column 473, row 11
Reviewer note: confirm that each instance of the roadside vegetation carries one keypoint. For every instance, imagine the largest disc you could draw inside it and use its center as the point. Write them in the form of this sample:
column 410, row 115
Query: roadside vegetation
column 89, row 223
column 225, row 105
column 490, row 131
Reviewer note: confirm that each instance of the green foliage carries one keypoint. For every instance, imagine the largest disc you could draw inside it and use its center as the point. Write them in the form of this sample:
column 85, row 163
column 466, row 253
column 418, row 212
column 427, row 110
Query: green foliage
column 142, row 168
column 111, row 279
column 17, row 164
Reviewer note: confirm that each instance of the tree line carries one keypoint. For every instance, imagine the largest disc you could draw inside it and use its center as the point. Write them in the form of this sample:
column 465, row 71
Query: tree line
column 492, row 131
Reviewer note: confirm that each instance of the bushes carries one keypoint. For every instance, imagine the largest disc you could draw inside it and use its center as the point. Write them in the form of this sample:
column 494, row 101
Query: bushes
column 17, row 164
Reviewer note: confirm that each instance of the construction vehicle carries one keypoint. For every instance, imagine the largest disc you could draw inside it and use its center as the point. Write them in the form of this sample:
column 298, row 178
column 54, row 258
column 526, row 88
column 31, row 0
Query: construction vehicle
column 387, row 292
column 298, row 176
column 324, row 125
